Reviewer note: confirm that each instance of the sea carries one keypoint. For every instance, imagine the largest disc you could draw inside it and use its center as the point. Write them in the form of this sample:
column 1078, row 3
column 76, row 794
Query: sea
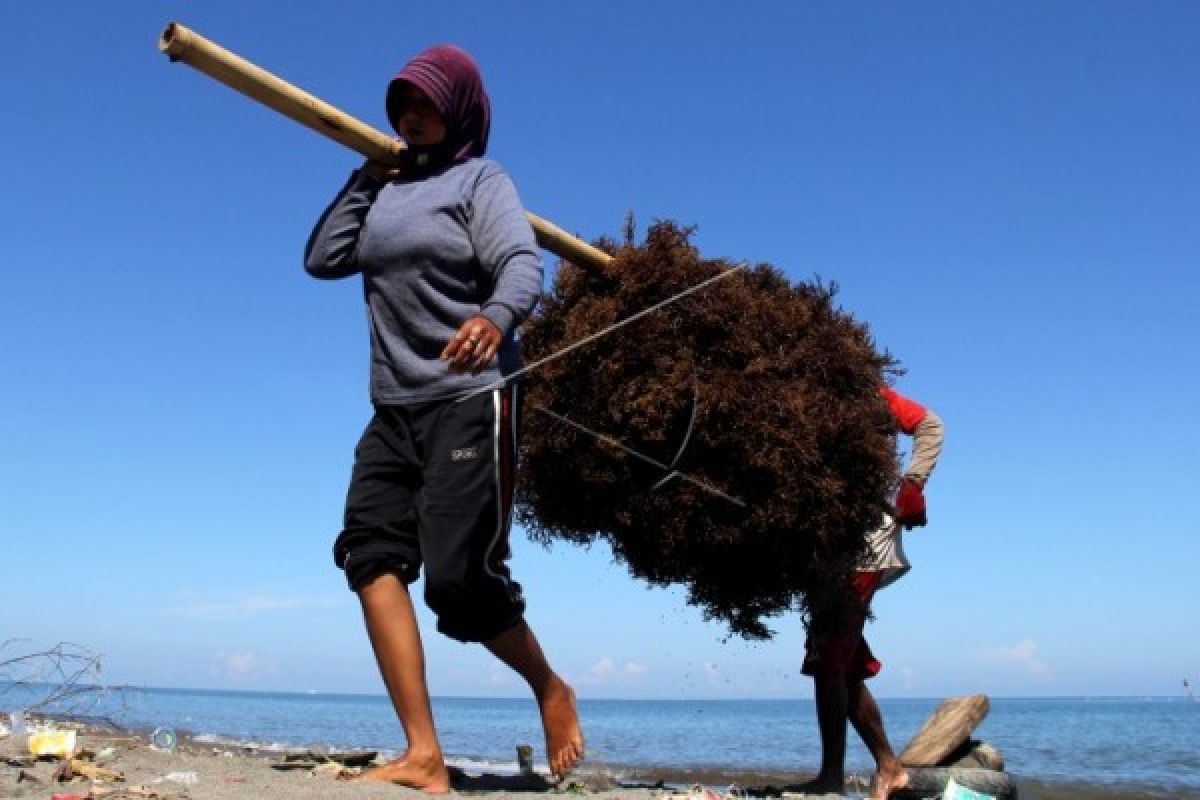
column 1136, row 746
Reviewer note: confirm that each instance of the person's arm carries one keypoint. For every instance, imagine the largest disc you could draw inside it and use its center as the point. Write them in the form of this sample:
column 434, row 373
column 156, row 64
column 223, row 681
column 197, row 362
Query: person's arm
column 926, row 447
column 928, row 433
column 507, row 251
column 332, row 249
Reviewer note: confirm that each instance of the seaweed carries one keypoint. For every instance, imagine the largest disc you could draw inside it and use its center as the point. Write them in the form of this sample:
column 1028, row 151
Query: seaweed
column 760, row 388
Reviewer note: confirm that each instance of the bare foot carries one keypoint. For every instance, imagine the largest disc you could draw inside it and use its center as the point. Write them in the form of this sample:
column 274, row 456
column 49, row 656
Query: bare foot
column 887, row 781
column 426, row 774
column 560, row 721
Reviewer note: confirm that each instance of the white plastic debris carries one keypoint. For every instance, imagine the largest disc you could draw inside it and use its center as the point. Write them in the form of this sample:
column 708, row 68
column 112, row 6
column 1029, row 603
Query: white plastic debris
column 956, row 791
column 186, row 778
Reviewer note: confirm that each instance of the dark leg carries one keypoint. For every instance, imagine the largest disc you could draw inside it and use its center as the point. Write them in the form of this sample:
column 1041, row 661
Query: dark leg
column 832, row 703
column 868, row 722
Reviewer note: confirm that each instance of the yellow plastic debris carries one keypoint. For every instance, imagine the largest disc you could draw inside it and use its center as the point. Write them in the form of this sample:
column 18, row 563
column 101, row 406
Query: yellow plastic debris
column 52, row 743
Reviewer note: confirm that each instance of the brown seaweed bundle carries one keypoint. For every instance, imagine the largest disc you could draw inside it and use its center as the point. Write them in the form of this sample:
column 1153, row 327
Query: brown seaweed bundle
column 760, row 399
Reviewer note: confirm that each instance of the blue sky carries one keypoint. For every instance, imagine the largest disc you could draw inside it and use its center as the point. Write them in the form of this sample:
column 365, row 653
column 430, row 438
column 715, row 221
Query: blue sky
column 1009, row 193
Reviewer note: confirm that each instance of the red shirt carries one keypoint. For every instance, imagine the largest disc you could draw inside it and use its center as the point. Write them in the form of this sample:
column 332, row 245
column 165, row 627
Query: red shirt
column 908, row 413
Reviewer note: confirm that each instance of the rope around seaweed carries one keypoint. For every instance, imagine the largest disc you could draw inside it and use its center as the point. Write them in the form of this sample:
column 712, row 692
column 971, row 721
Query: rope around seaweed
column 673, row 473
column 603, row 332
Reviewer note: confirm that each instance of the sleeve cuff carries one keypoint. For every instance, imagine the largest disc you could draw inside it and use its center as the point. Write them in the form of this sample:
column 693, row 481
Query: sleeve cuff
column 500, row 316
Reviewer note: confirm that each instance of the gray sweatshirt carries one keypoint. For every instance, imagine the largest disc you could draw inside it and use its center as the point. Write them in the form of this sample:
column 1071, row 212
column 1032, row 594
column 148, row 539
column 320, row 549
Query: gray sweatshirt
column 432, row 252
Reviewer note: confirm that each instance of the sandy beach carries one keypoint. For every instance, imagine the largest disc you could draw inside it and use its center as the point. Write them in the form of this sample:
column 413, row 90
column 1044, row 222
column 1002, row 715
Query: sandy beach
column 201, row 770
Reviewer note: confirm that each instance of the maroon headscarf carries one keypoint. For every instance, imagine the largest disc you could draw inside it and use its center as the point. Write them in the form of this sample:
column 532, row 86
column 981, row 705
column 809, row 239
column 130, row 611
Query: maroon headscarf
column 450, row 78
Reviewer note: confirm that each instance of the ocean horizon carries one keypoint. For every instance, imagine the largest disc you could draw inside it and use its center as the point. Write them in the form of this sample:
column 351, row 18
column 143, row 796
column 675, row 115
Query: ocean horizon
column 1142, row 745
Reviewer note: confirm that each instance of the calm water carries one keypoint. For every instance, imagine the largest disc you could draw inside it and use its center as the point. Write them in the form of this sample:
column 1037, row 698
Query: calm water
column 1148, row 743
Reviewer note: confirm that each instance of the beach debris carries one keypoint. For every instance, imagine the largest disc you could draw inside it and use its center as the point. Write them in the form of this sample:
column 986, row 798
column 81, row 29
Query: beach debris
column 525, row 759
column 105, row 755
column 17, row 725
column 932, row 782
column 341, row 765
column 946, row 730
column 52, row 743
column 163, row 739
column 954, row 791
column 114, row 792
column 334, row 770
column 66, row 677
column 184, row 778
column 353, row 758
column 760, row 388
column 698, row 792
column 73, row 768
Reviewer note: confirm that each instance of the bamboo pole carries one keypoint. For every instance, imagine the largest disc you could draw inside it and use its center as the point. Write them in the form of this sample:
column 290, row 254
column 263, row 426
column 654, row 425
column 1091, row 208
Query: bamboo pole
column 180, row 43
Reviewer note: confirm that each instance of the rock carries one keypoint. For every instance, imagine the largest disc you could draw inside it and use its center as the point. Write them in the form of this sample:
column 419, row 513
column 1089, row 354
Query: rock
column 931, row 782
column 975, row 754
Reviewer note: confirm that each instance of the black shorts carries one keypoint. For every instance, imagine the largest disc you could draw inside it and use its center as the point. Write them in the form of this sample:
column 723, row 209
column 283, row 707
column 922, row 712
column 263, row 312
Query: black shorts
column 433, row 484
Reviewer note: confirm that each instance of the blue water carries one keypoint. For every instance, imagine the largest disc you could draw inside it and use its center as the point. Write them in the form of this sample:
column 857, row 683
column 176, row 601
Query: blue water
column 1150, row 743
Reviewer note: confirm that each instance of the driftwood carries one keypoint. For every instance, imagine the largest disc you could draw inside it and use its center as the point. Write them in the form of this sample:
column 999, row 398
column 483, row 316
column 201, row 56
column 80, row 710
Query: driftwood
column 116, row 792
column 74, row 767
column 947, row 729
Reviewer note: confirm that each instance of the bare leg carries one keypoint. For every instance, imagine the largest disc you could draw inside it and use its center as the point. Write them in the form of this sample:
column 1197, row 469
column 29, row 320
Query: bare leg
column 832, row 702
column 868, row 721
column 518, row 648
column 396, row 639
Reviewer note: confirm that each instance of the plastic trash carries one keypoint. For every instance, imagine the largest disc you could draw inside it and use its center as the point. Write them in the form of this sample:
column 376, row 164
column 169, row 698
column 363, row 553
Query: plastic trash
column 186, row 778
column 52, row 743
column 956, row 791
column 12, row 743
column 16, row 723
column 163, row 739
column 107, row 754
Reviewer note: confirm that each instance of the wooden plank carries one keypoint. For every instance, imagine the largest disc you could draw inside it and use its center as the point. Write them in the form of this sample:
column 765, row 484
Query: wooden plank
column 947, row 729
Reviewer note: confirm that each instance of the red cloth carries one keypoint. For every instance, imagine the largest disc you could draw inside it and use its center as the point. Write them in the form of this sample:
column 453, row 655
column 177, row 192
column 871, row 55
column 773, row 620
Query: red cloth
column 845, row 650
column 908, row 413
column 910, row 504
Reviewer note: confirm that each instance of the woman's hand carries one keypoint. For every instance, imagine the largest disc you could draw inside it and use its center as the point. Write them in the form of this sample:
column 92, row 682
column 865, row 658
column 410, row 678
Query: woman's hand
column 474, row 346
